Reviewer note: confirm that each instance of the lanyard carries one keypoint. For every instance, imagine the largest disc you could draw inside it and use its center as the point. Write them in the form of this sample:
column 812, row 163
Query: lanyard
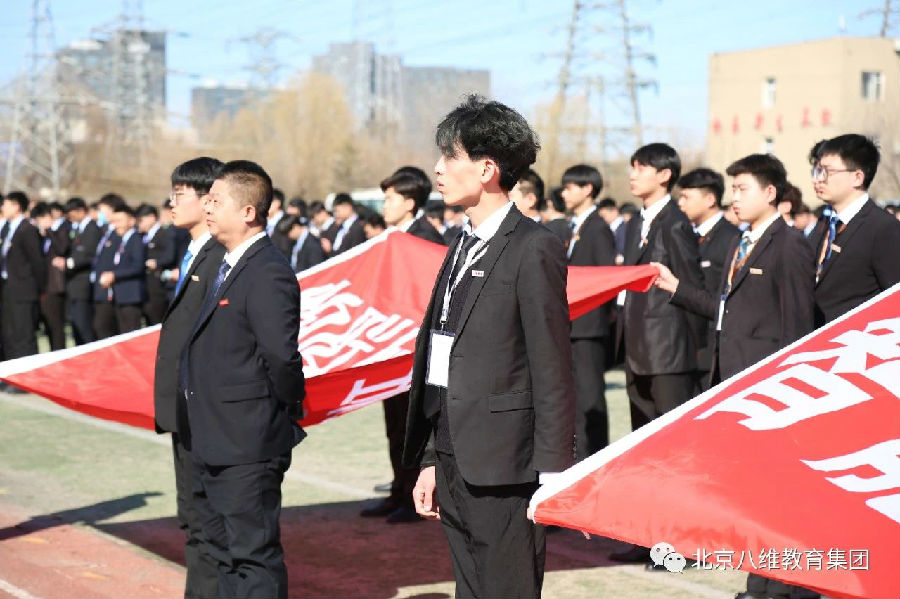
column 474, row 255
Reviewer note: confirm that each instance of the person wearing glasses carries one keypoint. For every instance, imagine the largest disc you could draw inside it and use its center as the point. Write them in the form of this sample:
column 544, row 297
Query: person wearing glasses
column 857, row 243
column 191, row 182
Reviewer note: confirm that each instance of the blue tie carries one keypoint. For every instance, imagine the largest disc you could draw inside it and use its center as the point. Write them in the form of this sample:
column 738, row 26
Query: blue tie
column 182, row 274
column 208, row 303
column 743, row 249
column 220, row 277
column 834, row 222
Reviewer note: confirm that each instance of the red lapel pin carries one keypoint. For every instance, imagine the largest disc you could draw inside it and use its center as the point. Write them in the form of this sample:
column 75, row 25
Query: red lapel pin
column 223, row 302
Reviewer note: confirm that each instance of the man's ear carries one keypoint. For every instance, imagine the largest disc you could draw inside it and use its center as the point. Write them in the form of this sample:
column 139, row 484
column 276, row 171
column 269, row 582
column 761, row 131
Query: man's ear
column 489, row 171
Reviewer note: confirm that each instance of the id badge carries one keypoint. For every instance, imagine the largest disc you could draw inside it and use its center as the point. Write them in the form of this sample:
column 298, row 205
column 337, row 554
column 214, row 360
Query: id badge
column 438, row 373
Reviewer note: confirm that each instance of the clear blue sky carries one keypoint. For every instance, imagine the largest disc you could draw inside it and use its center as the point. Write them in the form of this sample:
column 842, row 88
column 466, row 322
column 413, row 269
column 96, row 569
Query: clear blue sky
column 519, row 41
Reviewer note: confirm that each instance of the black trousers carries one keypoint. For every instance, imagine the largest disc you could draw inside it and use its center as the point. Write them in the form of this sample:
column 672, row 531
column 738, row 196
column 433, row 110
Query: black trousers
column 652, row 395
column 238, row 508
column 157, row 301
column 395, row 410
column 105, row 322
column 81, row 315
column 18, row 328
column 591, row 420
column 202, row 568
column 128, row 317
column 53, row 308
column 495, row 550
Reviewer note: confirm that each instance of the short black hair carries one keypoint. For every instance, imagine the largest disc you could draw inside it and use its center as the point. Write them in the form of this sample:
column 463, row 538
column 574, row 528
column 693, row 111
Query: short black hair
column 792, row 194
column 661, row 157
column 54, row 205
column 253, row 185
column 627, row 208
column 435, row 209
column 374, row 219
column 76, row 203
column 299, row 204
column 112, row 200
column 858, row 152
column 39, row 209
column 489, row 129
column 198, row 174
column 531, row 182
column 277, row 194
column 765, row 168
column 316, row 207
column 19, row 198
column 556, row 200
column 123, row 207
column 289, row 222
column 705, row 179
column 343, row 198
column 410, row 182
column 146, row 210
column 584, row 174
column 606, row 204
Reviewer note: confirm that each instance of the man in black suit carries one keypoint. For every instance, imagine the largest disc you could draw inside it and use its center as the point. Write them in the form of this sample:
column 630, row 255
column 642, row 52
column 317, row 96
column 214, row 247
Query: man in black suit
column 555, row 215
column 700, row 199
column 492, row 402
column 76, row 266
column 278, row 234
column 124, row 282
column 347, row 231
column 159, row 249
column 858, row 245
column 765, row 299
column 660, row 339
column 244, row 387
column 406, row 191
column 592, row 244
column 306, row 249
column 190, row 186
column 105, row 322
column 23, row 275
column 528, row 195
column 55, row 242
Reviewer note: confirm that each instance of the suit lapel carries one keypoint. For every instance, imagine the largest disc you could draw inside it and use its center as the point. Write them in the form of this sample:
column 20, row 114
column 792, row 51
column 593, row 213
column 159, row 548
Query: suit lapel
column 654, row 230
column 198, row 260
column 758, row 250
column 856, row 223
column 495, row 248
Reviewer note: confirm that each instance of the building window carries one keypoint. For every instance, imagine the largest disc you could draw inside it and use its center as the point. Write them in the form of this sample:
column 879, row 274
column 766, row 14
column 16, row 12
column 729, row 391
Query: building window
column 768, row 145
column 768, row 92
column 872, row 85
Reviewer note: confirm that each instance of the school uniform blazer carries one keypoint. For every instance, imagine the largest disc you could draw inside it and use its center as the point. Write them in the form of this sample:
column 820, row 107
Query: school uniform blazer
column 511, row 395
column 595, row 245
column 714, row 258
column 245, row 376
column 81, row 254
column 423, row 229
column 866, row 262
column 130, row 286
column 770, row 304
column 177, row 325
column 26, row 268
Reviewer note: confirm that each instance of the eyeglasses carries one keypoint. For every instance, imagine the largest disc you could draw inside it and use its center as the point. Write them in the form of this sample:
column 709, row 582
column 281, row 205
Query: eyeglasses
column 821, row 172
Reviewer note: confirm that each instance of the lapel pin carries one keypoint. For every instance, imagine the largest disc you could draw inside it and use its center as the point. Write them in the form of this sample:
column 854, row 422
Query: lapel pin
column 477, row 273
column 223, row 301
column 195, row 278
column 756, row 271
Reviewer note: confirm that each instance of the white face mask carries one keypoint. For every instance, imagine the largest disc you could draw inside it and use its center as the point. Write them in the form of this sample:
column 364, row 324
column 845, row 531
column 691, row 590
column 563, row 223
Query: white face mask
column 101, row 219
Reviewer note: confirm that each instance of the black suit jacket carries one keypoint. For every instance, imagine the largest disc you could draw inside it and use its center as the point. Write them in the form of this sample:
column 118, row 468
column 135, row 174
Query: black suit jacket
column 594, row 245
column 130, row 286
column 311, row 253
column 56, row 245
column 423, row 229
column 104, row 260
column 177, row 325
column 716, row 250
column 25, row 265
column 451, row 234
column 868, row 262
column 354, row 236
column 160, row 247
column 770, row 304
column 661, row 338
column 511, row 397
column 78, row 264
column 245, row 374
column 560, row 227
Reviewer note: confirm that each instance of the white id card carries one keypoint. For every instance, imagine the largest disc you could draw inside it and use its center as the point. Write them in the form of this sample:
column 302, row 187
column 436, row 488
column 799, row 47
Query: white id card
column 438, row 373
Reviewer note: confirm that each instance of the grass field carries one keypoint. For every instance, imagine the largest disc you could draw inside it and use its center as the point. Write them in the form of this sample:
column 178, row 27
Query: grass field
column 117, row 481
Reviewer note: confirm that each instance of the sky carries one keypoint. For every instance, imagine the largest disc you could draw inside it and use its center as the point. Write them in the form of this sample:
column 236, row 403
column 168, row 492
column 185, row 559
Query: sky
column 519, row 41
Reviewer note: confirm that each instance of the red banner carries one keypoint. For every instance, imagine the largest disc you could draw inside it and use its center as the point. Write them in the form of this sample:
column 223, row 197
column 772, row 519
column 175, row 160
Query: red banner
column 790, row 469
column 360, row 313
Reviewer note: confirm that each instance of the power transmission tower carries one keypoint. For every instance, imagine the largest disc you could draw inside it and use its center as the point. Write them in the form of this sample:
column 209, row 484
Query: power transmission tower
column 632, row 82
column 262, row 47
column 38, row 160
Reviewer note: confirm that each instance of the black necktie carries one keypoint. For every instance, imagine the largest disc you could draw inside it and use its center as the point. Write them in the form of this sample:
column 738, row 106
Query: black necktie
column 208, row 302
column 468, row 242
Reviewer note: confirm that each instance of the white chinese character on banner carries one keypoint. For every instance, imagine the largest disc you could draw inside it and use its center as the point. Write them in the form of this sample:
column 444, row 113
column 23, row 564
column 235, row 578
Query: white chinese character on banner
column 361, row 395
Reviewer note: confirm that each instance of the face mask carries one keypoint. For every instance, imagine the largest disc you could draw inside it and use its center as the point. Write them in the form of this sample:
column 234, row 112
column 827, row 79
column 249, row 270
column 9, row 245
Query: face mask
column 101, row 219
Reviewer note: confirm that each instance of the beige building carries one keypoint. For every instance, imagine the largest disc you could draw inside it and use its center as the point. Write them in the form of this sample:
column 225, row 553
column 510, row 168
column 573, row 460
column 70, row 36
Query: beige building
column 783, row 99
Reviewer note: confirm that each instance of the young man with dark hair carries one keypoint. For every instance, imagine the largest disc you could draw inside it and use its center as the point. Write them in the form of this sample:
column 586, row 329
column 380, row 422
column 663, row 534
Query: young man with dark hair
column 528, row 195
column 700, row 198
column 306, row 249
column 77, row 269
column 56, row 242
column 243, row 381
column 858, row 245
column 125, row 280
column 492, row 398
column 765, row 299
column 660, row 339
column 789, row 202
column 159, row 249
column 554, row 216
column 276, row 213
column 23, row 277
column 190, row 183
column 320, row 220
column 406, row 192
column 592, row 244
column 347, row 231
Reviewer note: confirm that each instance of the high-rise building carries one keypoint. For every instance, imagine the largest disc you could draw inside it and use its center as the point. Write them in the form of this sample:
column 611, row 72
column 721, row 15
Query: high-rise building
column 783, row 99
column 210, row 101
